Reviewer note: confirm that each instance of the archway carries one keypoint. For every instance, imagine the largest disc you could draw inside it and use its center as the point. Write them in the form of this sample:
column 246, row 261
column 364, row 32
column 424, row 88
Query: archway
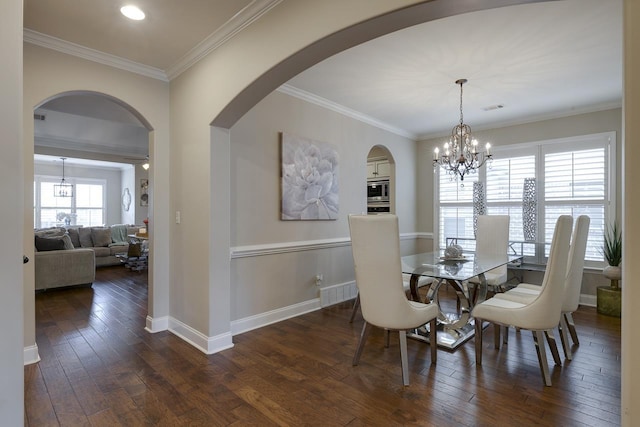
column 247, row 94
column 380, row 180
column 78, row 119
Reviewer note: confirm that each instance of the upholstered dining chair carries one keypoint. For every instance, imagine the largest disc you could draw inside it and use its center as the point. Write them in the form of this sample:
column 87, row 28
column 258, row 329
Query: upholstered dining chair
column 526, row 292
column 406, row 283
column 538, row 315
column 492, row 238
column 375, row 242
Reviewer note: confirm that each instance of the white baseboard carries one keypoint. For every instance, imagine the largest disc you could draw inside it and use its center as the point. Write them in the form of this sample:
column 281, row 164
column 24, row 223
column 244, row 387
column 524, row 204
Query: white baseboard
column 207, row 345
column 157, row 324
column 337, row 293
column 588, row 300
column 31, row 354
column 263, row 319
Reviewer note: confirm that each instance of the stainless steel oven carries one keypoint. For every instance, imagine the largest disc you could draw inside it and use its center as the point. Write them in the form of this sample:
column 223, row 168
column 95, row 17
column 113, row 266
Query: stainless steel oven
column 378, row 191
column 378, row 208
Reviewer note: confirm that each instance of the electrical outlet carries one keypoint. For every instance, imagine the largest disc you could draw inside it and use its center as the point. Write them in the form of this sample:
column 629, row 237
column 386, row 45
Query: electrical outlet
column 319, row 279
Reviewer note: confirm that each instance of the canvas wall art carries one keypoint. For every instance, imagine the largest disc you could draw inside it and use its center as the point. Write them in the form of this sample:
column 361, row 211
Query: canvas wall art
column 309, row 179
column 144, row 192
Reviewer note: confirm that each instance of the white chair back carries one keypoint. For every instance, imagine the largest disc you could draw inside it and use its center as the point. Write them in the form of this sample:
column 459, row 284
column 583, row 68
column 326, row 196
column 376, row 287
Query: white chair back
column 544, row 312
column 575, row 268
column 492, row 238
column 375, row 241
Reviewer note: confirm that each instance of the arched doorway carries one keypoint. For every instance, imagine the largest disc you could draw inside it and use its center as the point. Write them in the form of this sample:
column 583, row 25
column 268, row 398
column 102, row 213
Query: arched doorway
column 106, row 144
column 380, row 181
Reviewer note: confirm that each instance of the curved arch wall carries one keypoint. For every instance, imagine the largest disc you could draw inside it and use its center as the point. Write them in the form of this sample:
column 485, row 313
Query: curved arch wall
column 48, row 74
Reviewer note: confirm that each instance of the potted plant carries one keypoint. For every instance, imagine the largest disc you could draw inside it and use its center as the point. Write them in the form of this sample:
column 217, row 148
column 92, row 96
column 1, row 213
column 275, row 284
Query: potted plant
column 609, row 297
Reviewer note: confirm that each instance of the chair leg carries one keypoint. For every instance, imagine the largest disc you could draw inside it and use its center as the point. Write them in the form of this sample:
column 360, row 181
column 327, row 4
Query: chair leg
column 363, row 338
column 496, row 336
column 505, row 336
column 354, row 310
column 386, row 338
column 551, row 340
column 478, row 339
column 564, row 337
column 433, row 342
column 538, row 339
column 572, row 328
column 404, row 360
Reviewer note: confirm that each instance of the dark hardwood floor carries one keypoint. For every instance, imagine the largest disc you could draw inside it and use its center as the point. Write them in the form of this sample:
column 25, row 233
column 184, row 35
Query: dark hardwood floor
column 99, row 367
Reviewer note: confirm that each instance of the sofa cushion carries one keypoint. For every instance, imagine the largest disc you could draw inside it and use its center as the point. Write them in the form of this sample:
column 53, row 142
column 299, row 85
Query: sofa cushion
column 75, row 237
column 49, row 232
column 118, row 249
column 48, row 244
column 101, row 251
column 85, row 237
column 101, row 236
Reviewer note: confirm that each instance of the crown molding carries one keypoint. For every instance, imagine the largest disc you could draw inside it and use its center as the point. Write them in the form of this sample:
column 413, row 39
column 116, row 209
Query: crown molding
column 49, row 42
column 233, row 26
column 532, row 119
column 322, row 102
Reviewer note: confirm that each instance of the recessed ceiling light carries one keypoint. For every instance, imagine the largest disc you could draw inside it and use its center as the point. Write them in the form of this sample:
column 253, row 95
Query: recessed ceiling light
column 132, row 12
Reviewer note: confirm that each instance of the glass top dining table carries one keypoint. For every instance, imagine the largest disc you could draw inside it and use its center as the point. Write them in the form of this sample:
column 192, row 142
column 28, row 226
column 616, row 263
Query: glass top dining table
column 454, row 328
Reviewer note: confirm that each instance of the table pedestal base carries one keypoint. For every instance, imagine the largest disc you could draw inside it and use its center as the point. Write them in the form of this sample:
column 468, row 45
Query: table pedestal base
column 446, row 337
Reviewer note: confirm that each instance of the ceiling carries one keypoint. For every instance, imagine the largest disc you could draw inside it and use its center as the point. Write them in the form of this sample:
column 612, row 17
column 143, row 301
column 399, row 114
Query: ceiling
column 537, row 61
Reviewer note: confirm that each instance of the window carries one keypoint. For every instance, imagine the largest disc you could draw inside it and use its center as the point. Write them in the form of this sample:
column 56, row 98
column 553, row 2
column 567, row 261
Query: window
column 85, row 208
column 574, row 176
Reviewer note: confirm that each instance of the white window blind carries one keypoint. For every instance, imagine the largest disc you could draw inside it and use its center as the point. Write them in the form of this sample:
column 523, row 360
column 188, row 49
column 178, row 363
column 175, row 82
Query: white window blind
column 86, row 207
column 573, row 177
column 456, row 212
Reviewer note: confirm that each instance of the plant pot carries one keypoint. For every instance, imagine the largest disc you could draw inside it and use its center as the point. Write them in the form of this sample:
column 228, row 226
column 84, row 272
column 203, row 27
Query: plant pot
column 609, row 301
column 613, row 273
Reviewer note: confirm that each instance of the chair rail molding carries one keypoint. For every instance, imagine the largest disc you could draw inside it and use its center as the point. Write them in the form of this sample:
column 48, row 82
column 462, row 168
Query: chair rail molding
column 305, row 245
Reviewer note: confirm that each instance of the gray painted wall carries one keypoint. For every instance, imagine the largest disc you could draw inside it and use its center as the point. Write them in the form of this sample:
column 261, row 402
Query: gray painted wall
column 264, row 283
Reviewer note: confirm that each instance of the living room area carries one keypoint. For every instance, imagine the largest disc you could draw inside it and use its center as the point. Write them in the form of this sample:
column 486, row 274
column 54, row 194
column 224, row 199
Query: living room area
column 91, row 189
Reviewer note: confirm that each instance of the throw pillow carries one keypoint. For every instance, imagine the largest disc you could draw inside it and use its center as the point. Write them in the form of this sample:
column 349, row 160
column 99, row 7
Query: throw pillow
column 84, row 235
column 75, row 237
column 100, row 236
column 50, row 232
column 66, row 239
column 48, row 244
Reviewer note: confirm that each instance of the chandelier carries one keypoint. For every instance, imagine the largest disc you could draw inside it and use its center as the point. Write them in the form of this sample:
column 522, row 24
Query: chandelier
column 63, row 189
column 460, row 155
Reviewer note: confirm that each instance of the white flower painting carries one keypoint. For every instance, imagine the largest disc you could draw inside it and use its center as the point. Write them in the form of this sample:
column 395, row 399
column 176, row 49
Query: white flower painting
column 309, row 179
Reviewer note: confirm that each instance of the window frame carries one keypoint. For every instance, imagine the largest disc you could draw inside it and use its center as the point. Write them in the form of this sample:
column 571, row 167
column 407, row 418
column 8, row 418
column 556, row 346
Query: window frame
column 540, row 149
column 37, row 190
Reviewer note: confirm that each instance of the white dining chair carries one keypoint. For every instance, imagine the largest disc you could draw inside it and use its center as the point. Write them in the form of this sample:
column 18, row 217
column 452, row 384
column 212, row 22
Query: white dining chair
column 492, row 238
column 375, row 242
column 541, row 313
column 526, row 292
column 406, row 283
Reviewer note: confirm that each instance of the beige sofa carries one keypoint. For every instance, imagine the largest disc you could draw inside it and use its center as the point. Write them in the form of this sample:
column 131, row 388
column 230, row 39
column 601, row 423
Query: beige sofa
column 65, row 267
column 67, row 257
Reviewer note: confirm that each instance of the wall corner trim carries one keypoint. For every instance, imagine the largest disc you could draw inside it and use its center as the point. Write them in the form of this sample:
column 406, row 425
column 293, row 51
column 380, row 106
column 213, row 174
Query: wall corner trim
column 31, row 354
column 207, row 345
column 157, row 324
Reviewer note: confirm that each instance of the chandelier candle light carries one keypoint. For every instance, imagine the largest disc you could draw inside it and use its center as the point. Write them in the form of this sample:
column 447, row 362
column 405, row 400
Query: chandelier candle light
column 63, row 189
column 460, row 155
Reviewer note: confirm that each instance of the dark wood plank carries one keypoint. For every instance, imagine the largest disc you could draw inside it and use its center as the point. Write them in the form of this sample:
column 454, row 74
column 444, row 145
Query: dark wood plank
column 99, row 367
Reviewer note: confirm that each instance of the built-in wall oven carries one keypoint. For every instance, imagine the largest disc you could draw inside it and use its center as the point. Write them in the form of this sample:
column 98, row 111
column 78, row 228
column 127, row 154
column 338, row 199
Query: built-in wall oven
column 377, row 191
column 378, row 196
